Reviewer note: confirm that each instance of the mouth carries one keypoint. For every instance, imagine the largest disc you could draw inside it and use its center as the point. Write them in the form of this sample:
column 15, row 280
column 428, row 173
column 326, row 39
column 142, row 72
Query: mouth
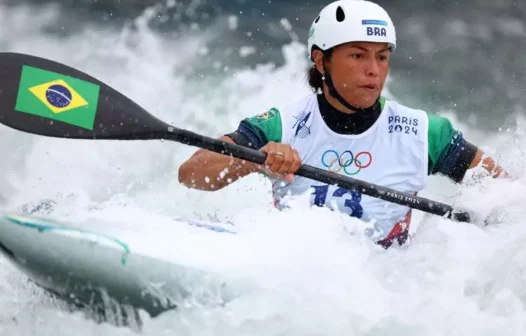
column 370, row 87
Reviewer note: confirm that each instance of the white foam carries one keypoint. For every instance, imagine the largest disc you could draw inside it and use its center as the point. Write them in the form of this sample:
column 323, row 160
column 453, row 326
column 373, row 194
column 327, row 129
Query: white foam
column 316, row 274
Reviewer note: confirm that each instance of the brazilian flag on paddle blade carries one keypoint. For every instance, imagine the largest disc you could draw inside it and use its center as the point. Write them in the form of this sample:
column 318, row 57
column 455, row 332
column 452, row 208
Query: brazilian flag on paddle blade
column 58, row 97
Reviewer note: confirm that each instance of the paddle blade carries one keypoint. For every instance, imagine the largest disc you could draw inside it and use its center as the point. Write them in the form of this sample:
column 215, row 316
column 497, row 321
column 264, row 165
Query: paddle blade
column 44, row 97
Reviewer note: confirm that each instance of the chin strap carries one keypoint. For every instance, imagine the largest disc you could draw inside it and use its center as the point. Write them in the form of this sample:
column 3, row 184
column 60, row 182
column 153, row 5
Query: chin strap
column 327, row 79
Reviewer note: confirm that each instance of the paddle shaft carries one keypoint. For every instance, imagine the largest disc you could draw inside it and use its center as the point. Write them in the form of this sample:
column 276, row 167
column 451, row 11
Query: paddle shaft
column 373, row 190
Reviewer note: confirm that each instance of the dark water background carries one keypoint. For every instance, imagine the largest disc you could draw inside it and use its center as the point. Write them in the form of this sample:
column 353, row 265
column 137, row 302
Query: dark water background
column 466, row 56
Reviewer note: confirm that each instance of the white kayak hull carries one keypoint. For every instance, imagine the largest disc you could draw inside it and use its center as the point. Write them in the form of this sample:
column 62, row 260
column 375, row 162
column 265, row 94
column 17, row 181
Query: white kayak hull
column 91, row 269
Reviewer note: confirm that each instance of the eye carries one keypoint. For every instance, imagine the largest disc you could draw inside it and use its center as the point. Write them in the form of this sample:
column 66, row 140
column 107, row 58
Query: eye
column 357, row 55
column 383, row 57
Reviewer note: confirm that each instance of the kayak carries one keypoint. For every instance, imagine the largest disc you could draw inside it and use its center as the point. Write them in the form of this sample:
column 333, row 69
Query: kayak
column 101, row 273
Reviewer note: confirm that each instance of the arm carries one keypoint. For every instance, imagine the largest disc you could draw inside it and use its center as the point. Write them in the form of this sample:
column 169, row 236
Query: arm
column 210, row 171
column 207, row 170
column 451, row 155
column 489, row 165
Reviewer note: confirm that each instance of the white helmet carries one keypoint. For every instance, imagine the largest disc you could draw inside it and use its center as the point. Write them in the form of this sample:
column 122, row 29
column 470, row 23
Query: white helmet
column 351, row 20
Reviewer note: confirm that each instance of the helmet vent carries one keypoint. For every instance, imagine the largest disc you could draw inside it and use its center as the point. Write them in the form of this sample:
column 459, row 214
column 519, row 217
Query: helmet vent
column 340, row 14
column 317, row 19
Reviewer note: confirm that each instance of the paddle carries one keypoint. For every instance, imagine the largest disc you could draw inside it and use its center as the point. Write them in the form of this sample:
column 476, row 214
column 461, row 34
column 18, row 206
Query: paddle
column 47, row 98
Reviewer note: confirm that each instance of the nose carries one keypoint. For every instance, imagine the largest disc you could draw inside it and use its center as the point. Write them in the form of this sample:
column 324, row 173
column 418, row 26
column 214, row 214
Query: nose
column 371, row 67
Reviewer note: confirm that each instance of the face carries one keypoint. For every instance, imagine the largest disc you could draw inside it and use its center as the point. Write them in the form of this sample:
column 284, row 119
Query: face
column 358, row 71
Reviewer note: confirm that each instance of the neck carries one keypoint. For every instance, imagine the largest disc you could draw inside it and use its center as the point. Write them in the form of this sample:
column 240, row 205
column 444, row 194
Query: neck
column 348, row 123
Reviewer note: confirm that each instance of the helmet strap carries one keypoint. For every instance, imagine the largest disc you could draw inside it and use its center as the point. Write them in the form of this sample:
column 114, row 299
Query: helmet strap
column 327, row 79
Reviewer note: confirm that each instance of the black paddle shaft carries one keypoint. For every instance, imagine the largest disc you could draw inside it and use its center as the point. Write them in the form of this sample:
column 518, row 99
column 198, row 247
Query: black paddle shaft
column 41, row 96
column 370, row 189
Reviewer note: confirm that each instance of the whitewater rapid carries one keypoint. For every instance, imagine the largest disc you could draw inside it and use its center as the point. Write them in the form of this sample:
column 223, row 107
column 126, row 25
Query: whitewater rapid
column 317, row 275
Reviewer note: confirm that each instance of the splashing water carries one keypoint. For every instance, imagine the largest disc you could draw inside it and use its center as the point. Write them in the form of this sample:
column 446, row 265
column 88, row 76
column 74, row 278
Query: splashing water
column 315, row 273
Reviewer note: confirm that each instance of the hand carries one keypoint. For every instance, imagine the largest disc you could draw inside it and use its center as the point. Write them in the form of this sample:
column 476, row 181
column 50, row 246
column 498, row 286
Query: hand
column 282, row 161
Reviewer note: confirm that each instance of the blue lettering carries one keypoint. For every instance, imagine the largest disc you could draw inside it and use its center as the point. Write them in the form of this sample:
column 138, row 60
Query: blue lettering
column 320, row 194
column 402, row 125
column 376, row 31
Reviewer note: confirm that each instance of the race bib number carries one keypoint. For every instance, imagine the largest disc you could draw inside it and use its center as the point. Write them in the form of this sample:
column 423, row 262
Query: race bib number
column 348, row 201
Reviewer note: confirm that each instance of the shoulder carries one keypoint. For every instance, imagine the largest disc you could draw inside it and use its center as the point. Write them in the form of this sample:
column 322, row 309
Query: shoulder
column 277, row 117
column 270, row 123
column 439, row 125
column 436, row 124
column 440, row 135
column 402, row 118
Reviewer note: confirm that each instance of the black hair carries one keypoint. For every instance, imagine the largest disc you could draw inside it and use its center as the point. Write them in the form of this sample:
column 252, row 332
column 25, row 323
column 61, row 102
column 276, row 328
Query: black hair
column 314, row 77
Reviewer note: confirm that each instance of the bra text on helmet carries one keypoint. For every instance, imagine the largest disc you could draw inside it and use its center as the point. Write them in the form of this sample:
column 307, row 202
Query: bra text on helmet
column 375, row 31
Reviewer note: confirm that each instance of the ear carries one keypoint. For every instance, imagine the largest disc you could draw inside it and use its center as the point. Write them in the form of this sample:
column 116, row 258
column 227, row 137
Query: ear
column 317, row 55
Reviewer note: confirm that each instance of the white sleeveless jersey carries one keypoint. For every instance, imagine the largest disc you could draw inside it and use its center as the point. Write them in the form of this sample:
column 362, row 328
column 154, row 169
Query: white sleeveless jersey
column 392, row 153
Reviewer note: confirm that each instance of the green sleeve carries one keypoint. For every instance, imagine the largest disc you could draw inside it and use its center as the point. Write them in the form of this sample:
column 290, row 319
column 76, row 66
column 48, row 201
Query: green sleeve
column 267, row 125
column 439, row 136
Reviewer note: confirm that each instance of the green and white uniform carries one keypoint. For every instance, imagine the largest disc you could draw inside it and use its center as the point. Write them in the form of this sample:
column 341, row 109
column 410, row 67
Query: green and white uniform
column 398, row 151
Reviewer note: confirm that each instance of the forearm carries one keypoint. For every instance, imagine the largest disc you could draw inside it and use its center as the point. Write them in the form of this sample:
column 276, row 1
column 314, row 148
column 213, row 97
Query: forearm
column 489, row 165
column 461, row 156
column 210, row 171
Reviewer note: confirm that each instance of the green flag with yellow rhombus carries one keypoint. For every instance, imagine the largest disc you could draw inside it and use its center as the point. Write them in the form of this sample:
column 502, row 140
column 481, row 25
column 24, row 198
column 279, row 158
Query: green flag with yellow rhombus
column 57, row 97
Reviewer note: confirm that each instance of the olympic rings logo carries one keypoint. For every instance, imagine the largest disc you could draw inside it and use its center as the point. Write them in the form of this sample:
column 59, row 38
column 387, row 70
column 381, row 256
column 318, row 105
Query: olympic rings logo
column 336, row 162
